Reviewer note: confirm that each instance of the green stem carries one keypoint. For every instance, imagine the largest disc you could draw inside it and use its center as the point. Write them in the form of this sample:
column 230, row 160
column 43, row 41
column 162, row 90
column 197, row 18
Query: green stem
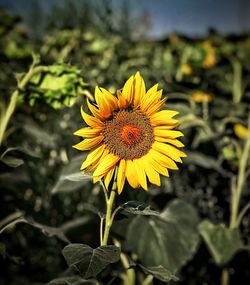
column 184, row 59
column 242, row 213
column 237, row 81
column 101, row 229
column 237, row 187
column 13, row 100
column 148, row 280
column 108, row 219
column 109, row 215
column 224, row 277
column 237, row 192
column 129, row 278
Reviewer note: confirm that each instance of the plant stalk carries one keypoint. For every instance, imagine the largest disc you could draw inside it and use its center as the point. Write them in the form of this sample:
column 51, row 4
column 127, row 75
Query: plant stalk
column 109, row 214
column 13, row 100
column 236, row 192
column 224, row 277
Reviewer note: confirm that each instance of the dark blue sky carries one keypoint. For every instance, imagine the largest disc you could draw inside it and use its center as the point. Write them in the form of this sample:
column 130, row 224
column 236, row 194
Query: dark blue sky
column 196, row 16
column 192, row 17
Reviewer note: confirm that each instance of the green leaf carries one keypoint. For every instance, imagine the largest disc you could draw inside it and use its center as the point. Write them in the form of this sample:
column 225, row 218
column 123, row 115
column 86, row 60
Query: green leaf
column 18, row 217
column 207, row 162
column 12, row 161
column 71, row 178
column 136, row 208
column 90, row 262
column 73, row 280
column 11, row 220
column 169, row 240
column 76, row 177
column 9, row 149
column 160, row 273
column 40, row 135
column 59, row 87
column 222, row 242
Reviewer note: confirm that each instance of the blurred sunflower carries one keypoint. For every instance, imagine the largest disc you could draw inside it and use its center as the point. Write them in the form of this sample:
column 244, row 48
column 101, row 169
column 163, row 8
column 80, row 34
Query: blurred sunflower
column 128, row 131
column 186, row 69
column 210, row 55
column 240, row 131
column 200, row 96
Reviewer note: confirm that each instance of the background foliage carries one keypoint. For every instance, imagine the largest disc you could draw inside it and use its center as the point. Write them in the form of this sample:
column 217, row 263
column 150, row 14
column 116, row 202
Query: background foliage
column 49, row 204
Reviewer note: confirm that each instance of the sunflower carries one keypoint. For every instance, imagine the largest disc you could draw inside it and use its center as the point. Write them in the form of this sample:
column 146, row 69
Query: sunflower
column 129, row 134
column 210, row 55
column 240, row 131
column 200, row 96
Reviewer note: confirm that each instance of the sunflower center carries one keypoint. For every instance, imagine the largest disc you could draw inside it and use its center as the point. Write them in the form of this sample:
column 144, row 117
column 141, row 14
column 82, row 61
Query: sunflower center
column 128, row 134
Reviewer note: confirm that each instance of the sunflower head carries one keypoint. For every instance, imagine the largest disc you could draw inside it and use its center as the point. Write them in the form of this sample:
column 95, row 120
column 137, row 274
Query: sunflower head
column 240, row 131
column 130, row 133
column 200, row 96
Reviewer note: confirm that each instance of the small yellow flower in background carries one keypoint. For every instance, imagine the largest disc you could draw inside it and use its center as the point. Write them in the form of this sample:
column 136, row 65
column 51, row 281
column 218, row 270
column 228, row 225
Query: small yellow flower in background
column 174, row 39
column 186, row 69
column 240, row 131
column 128, row 131
column 199, row 97
column 210, row 57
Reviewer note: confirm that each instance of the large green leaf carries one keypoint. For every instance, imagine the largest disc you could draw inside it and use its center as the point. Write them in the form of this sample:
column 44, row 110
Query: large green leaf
column 73, row 280
column 18, row 217
column 71, row 178
column 58, row 87
column 137, row 208
column 160, row 273
column 207, row 162
column 90, row 261
column 169, row 240
column 222, row 242
column 12, row 161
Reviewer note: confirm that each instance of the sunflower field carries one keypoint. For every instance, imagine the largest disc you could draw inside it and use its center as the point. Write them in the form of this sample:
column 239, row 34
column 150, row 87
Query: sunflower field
column 123, row 161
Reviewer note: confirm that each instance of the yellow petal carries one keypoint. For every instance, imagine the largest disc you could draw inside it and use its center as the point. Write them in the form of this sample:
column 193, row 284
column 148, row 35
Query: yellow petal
column 152, row 91
column 93, row 156
column 91, row 167
column 156, row 165
column 122, row 102
column 121, row 175
column 110, row 98
column 108, row 177
column 130, row 174
column 174, row 142
column 155, row 107
column 91, row 121
column 164, row 160
column 164, row 117
column 96, row 162
column 141, row 175
column 161, row 132
column 152, row 174
column 169, row 125
column 140, row 89
column 150, row 99
column 104, row 106
column 97, row 178
column 93, row 109
column 128, row 89
column 169, row 150
column 106, row 164
column 88, row 132
column 88, row 143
